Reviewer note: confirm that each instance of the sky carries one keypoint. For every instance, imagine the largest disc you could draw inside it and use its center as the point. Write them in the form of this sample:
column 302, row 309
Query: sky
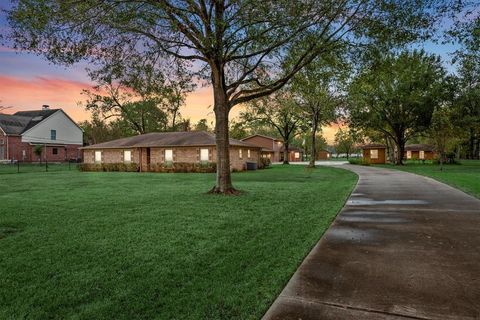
column 28, row 81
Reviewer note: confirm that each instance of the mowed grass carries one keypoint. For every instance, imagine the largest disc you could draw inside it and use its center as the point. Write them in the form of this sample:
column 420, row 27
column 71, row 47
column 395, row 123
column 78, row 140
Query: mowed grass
column 465, row 176
column 156, row 246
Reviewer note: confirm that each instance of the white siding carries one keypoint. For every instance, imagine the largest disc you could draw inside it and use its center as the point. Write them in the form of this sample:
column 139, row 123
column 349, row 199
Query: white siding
column 67, row 131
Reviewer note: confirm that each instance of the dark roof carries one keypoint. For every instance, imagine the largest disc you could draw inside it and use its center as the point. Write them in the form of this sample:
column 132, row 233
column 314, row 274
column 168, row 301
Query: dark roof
column 291, row 148
column 13, row 124
column 261, row 135
column 36, row 116
column 167, row 139
column 21, row 121
column 373, row 146
column 419, row 147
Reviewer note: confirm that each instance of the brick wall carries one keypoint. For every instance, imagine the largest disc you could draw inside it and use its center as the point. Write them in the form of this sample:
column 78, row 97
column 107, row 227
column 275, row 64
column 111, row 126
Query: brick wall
column 180, row 154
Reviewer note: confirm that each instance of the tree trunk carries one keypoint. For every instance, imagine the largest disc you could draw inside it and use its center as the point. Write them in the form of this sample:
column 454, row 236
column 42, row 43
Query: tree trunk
column 221, row 109
column 313, row 152
column 401, row 150
column 285, row 152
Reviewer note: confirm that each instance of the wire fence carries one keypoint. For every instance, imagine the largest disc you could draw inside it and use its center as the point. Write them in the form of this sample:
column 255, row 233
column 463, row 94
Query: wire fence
column 12, row 167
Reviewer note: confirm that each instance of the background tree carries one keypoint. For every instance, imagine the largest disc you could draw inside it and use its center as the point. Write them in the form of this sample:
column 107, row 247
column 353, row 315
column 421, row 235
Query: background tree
column 97, row 130
column 318, row 93
column 38, row 150
column 442, row 131
column 396, row 95
column 201, row 125
column 279, row 111
column 345, row 141
column 239, row 46
column 3, row 108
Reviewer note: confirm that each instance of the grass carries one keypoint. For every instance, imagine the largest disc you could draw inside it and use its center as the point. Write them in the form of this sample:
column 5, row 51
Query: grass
column 465, row 176
column 156, row 246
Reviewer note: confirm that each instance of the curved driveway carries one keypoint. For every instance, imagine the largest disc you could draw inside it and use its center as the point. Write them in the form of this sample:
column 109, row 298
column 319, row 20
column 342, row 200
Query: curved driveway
column 403, row 247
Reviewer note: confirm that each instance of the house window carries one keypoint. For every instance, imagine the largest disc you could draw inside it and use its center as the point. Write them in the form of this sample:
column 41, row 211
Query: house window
column 409, row 154
column 297, row 155
column 127, row 155
column 373, row 154
column 240, row 153
column 168, row 155
column 98, row 156
column 421, row 154
column 55, row 151
column 203, row 154
column 248, row 153
column 53, row 134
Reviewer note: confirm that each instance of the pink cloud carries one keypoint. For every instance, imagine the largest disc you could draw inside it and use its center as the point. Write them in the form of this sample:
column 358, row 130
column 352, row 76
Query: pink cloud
column 28, row 94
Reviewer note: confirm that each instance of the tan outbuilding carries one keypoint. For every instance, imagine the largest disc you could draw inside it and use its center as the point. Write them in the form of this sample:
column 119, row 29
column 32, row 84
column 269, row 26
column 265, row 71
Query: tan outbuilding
column 374, row 153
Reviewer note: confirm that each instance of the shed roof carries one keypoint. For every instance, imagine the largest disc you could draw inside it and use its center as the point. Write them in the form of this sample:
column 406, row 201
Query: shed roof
column 167, row 139
column 373, row 146
column 419, row 147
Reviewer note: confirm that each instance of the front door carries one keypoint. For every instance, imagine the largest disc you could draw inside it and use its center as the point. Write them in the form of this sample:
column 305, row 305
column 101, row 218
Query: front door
column 148, row 159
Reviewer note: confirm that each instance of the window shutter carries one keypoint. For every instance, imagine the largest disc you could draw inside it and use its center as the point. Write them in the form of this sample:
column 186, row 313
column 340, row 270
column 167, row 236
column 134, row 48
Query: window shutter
column 198, row 154
column 174, row 155
column 162, row 155
column 210, row 154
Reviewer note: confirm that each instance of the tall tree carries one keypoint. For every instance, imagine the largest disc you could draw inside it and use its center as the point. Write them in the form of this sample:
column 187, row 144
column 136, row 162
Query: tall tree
column 279, row 111
column 238, row 45
column 396, row 95
column 442, row 131
column 345, row 141
column 318, row 92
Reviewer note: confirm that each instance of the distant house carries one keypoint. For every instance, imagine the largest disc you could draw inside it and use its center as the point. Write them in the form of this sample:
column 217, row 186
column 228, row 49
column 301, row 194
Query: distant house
column 374, row 153
column 163, row 148
column 273, row 148
column 419, row 151
column 58, row 135
column 323, row 155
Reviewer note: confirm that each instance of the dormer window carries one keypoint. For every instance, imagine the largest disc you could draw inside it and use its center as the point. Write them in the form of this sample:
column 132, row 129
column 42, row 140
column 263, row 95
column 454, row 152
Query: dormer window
column 53, row 134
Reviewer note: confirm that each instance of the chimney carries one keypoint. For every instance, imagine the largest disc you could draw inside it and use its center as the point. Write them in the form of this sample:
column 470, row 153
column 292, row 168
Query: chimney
column 45, row 107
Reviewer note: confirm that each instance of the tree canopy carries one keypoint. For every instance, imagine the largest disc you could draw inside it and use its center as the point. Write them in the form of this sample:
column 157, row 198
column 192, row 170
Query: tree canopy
column 396, row 95
column 239, row 46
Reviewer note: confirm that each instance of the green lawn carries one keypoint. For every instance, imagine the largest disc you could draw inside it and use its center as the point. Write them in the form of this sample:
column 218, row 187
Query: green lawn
column 465, row 176
column 156, row 246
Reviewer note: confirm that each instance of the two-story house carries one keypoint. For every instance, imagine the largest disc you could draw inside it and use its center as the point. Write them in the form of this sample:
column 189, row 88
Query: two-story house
column 50, row 130
column 273, row 148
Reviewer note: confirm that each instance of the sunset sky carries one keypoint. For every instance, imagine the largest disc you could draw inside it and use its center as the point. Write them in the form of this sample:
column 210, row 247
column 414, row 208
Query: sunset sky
column 27, row 82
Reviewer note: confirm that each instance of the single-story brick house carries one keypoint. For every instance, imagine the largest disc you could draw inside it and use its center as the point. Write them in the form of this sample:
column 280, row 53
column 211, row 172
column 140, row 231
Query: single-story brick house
column 165, row 148
column 419, row 151
column 374, row 153
column 51, row 129
column 273, row 148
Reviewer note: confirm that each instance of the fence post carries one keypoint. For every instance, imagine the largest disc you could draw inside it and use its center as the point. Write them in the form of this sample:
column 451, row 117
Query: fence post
column 18, row 166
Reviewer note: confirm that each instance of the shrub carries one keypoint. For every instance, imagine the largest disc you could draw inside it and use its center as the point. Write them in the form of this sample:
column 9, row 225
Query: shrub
column 109, row 167
column 264, row 163
column 206, row 167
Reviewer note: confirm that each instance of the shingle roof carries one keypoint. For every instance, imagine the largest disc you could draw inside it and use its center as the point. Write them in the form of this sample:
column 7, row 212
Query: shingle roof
column 373, row 146
column 419, row 147
column 36, row 116
column 21, row 121
column 12, row 124
column 167, row 139
column 261, row 135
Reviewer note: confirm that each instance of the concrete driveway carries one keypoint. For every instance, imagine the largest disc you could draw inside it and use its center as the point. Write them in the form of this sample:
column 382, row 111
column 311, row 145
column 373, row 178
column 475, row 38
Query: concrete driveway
column 403, row 247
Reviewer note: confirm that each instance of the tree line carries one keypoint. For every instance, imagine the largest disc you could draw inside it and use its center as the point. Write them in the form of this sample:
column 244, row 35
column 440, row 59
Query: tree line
column 291, row 64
